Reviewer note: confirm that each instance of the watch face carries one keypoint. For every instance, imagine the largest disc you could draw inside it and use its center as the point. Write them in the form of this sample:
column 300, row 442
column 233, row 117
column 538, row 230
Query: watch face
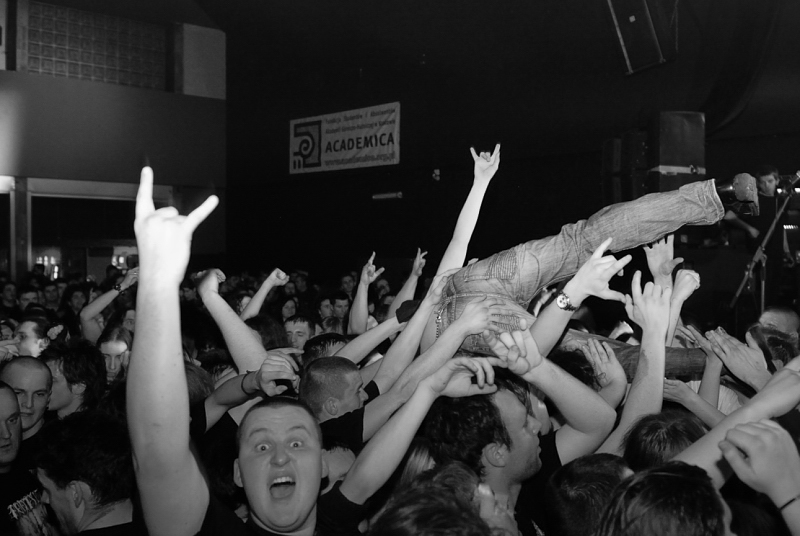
column 562, row 300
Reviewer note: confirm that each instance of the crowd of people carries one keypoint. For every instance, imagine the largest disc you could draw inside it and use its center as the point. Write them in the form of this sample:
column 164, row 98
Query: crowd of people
column 475, row 401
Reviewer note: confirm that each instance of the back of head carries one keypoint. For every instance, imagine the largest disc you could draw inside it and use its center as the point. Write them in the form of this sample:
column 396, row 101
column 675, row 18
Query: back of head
column 80, row 362
column 321, row 345
column 199, row 382
column 657, row 438
column 90, row 447
column 325, row 378
column 333, row 325
column 673, row 499
column 784, row 319
column 578, row 492
column 270, row 330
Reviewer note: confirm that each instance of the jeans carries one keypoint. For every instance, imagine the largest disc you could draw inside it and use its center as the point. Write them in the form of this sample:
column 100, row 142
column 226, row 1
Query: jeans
column 518, row 274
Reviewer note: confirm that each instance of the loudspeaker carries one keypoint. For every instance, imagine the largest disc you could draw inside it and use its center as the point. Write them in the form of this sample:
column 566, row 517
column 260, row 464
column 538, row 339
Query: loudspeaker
column 646, row 30
column 677, row 151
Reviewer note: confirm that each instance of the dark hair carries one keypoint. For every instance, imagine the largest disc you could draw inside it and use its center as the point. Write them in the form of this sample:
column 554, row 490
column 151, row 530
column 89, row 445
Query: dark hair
column 432, row 509
column 40, row 326
column 675, row 498
column 199, row 382
column 325, row 378
column 302, row 319
column 659, row 437
column 459, row 428
column 320, row 346
column 116, row 318
column 766, row 169
column 756, row 520
column 66, row 297
column 272, row 333
column 339, row 295
column 90, row 447
column 81, row 363
column 578, row 492
column 278, row 402
column 116, row 334
column 333, row 324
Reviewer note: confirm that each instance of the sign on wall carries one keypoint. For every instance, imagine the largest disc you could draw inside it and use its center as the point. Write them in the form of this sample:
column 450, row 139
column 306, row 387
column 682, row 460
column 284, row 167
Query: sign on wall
column 353, row 139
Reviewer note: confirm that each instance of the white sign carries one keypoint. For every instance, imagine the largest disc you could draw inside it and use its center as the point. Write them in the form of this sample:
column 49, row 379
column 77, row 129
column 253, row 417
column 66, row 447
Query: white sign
column 357, row 138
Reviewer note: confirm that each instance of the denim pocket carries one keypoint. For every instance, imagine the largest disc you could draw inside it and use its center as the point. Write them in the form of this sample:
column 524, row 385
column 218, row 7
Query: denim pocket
column 501, row 266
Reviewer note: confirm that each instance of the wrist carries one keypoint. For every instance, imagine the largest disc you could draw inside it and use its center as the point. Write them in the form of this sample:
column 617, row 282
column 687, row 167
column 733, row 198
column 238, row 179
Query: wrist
column 249, row 383
column 575, row 294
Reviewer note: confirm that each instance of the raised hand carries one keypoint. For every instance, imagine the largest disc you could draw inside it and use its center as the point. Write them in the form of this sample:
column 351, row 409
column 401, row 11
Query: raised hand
column 277, row 366
column 592, row 278
column 649, row 307
column 276, row 278
column 677, row 391
column 130, row 279
column 486, row 164
column 481, row 315
column 163, row 236
column 660, row 260
column 517, row 349
column 434, row 294
column 686, row 282
column 608, row 372
column 764, row 456
column 745, row 361
column 454, row 378
column 209, row 282
column 368, row 273
column 419, row 263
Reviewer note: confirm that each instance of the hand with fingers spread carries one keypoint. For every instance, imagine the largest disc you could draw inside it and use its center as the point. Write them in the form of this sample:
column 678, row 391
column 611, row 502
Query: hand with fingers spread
column 745, row 361
column 368, row 273
column 209, row 282
column 434, row 295
column 592, row 278
column 608, row 372
column 480, row 315
column 276, row 278
column 764, row 456
column 486, row 164
column 277, row 366
column 163, row 236
column 660, row 260
column 648, row 307
column 419, row 263
column 686, row 282
column 454, row 378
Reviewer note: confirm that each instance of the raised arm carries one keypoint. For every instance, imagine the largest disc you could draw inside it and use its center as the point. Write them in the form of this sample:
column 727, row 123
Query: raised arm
column 686, row 282
column 709, row 385
column 173, row 492
column 275, row 279
column 485, row 167
column 650, row 309
column 385, row 451
column 360, row 347
column 745, row 361
column 778, row 397
column 89, row 327
column 359, row 312
column 591, row 280
column 409, row 288
column 677, row 391
column 247, row 352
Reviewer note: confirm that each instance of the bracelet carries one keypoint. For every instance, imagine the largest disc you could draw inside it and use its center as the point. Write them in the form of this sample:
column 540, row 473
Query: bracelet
column 244, row 376
column 790, row 501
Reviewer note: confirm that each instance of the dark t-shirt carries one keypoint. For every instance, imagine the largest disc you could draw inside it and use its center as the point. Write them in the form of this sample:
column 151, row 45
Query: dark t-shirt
column 530, row 503
column 125, row 529
column 336, row 516
column 19, row 493
column 345, row 431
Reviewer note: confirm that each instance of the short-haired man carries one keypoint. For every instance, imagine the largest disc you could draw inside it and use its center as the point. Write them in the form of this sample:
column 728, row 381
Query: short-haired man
column 27, row 295
column 79, row 377
column 86, row 470
column 19, row 490
column 51, row 299
column 341, row 305
column 299, row 328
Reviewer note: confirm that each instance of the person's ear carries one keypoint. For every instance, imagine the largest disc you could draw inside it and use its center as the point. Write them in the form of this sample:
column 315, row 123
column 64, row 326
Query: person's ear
column 331, row 406
column 75, row 493
column 43, row 343
column 237, row 474
column 77, row 388
column 495, row 455
column 325, row 468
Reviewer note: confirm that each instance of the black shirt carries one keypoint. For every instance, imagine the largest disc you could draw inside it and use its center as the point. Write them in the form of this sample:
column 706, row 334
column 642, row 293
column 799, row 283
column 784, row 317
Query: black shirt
column 19, row 493
column 336, row 516
column 530, row 503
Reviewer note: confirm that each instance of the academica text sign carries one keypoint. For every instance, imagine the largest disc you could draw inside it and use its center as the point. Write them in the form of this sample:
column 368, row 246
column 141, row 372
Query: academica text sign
column 353, row 139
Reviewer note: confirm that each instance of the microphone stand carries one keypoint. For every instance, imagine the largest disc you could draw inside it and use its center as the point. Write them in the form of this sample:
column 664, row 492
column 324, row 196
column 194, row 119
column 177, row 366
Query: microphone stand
column 759, row 257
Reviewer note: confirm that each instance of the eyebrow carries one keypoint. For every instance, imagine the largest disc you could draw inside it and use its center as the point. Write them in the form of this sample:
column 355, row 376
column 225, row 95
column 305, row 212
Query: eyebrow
column 265, row 429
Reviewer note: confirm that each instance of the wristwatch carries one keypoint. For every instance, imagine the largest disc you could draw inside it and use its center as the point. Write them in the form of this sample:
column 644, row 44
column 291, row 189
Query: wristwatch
column 118, row 288
column 563, row 302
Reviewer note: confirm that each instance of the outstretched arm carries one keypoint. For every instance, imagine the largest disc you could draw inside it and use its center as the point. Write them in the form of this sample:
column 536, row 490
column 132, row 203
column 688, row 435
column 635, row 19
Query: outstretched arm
column 246, row 351
column 485, row 167
column 410, row 286
column 89, row 327
column 173, row 491
column 650, row 309
column 359, row 312
column 360, row 347
column 275, row 279
column 686, row 282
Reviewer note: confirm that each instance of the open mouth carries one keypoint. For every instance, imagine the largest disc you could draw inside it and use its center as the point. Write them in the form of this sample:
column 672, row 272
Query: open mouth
column 282, row 487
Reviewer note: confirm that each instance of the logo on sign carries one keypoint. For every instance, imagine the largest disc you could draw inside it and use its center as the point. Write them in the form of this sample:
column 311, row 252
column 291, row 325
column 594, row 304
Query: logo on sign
column 307, row 137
